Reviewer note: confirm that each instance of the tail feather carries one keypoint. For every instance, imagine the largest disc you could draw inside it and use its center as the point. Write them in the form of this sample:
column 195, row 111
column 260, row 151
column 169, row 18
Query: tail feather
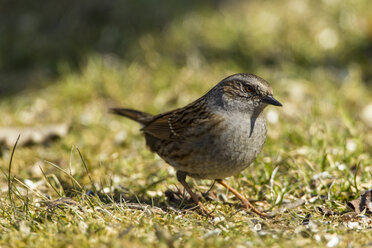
column 135, row 115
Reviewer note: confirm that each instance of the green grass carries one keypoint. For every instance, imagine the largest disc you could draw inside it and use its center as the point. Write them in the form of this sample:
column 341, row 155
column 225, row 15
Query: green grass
column 100, row 186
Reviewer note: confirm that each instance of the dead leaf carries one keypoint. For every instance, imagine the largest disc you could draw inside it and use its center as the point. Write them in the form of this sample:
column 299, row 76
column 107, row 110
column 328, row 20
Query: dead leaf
column 364, row 202
column 32, row 135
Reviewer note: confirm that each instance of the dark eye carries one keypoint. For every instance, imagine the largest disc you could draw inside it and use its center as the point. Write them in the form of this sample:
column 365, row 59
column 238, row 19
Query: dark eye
column 249, row 88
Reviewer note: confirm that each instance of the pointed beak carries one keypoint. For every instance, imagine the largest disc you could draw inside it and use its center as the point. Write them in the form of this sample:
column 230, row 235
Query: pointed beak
column 271, row 100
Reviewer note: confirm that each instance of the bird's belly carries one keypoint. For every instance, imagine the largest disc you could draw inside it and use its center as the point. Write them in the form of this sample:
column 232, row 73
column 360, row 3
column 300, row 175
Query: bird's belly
column 222, row 154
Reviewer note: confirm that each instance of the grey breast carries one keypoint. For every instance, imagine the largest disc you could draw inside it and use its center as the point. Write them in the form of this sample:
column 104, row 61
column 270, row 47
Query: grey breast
column 232, row 148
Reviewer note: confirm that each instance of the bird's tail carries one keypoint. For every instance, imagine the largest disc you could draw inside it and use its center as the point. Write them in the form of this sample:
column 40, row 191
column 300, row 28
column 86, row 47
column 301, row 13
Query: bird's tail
column 135, row 115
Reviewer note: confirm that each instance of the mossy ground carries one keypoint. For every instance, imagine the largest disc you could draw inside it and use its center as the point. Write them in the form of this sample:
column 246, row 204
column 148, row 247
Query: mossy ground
column 318, row 149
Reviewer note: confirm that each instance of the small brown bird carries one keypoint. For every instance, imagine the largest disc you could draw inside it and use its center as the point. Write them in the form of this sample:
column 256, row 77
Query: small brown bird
column 214, row 137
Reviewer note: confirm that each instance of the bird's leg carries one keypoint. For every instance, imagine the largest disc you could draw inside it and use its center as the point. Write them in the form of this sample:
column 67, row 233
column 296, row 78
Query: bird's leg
column 181, row 177
column 242, row 198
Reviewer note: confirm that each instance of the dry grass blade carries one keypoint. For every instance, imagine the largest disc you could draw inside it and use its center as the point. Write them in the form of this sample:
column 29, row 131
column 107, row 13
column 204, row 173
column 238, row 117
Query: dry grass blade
column 86, row 169
column 51, row 185
column 9, row 173
column 65, row 172
column 32, row 190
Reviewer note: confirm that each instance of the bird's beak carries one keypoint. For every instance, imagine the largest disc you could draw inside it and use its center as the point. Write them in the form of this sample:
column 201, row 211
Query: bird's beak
column 271, row 100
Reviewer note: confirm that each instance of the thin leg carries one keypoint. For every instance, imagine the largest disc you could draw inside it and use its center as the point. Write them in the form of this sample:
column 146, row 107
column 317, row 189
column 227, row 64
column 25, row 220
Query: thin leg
column 242, row 198
column 181, row 177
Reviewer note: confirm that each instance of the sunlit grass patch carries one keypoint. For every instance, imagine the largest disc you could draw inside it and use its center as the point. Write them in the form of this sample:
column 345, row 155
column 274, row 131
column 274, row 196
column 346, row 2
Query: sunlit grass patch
column 100, row 186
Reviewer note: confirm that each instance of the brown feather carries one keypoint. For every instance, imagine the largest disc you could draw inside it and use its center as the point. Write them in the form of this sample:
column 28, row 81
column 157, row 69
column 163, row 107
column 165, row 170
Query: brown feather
column 177, row 123
column 135, row 115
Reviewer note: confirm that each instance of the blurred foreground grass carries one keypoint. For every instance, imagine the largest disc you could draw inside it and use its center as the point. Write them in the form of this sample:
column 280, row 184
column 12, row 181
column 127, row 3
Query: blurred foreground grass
column 318, row 150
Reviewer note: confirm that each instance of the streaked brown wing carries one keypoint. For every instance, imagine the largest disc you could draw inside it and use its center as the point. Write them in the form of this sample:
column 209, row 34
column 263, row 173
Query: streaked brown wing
column 175, row 124
column 159, row 127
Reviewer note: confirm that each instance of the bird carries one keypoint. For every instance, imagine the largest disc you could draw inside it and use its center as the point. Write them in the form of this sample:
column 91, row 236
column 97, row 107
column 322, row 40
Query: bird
column 216, row 136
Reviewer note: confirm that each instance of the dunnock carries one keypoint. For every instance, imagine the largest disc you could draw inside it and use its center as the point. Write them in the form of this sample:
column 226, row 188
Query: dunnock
column 214, row 137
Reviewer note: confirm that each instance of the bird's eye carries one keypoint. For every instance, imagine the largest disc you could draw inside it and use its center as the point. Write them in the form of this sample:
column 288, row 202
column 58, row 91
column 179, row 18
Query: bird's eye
column 249, row 88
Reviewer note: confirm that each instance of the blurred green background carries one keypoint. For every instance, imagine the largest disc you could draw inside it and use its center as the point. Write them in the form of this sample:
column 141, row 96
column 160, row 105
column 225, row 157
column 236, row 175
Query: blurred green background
column 42, row 39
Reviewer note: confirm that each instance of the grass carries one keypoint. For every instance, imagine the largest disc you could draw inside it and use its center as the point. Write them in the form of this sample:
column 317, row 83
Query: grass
column 100, row 186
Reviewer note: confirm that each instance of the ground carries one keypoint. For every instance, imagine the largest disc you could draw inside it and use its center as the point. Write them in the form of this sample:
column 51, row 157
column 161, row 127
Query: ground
column 98, row 184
